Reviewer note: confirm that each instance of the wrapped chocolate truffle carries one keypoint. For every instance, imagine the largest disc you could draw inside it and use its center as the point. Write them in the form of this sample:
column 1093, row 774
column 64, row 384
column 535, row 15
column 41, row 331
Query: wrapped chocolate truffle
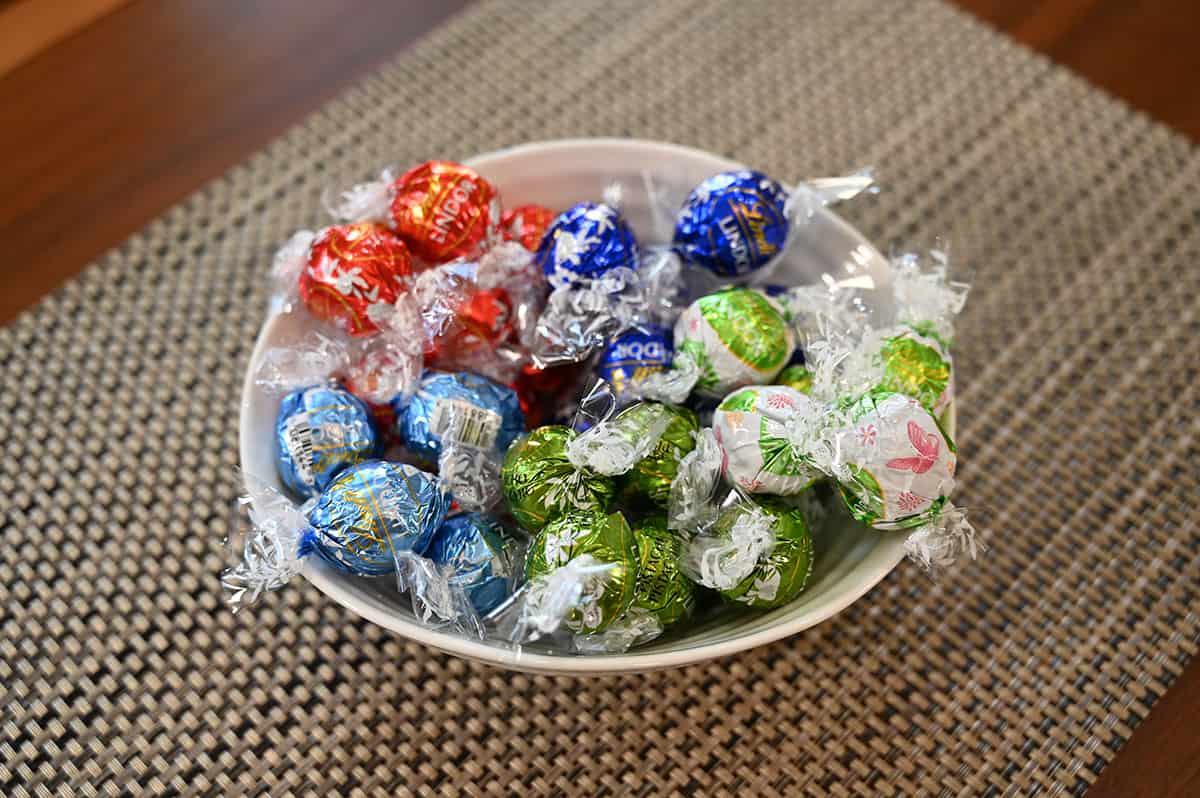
column 649, row 480
column 319, row 432
column 348, row 275
column 465, row 408
column 733, row 223
column 632, row 356
column 526, row 224
column 893, row 462
column 758, row 553
column 541, row 482
column 441, row 209
column 723, row 341
column 485, row 560
column 772, row 439
column 608, row 543
column 911, row 356
column 736, row 223
column 586, row 241
column 371, row 518
column 663, row 590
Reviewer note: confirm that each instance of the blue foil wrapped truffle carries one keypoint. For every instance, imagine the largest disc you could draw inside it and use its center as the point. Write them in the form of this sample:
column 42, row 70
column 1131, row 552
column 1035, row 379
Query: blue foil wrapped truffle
column 486, row 558
column 372, row 512
column 586, row 241
column 464, row 407
column 632, row 355
column 319, row 432
column 733, row 223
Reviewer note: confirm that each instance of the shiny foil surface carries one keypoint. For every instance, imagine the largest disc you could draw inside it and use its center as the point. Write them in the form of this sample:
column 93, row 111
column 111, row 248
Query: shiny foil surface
column 662, row 588
column 733, row 223
column 896, row 467
column 526, row 224
column 485, row 557
column 319, row 432
column 738, row 337
column 609, row 540
column 443, row 210
column 462, row 407
column 754, row 428
column 371, row 512
column 353, row 273
column 586, row 241
column 540, row 483
column 783, row 574
column 633, row 355
column 649, row 481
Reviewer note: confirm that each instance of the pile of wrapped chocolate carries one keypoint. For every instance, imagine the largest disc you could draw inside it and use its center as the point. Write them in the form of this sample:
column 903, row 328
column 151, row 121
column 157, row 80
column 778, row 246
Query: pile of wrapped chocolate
column 540, row 428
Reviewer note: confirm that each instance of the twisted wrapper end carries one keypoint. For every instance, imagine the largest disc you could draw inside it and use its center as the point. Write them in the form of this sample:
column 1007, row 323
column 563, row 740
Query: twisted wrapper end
column 266, row 544
column 610, row 447
column 692, row 504
column 944, row 542
column 362, row 202
column 636, row 626
column 541, row 607
column 722, row 562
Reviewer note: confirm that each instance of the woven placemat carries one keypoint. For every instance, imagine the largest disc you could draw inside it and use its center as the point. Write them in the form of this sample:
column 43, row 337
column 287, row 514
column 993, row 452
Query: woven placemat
column 121, row 671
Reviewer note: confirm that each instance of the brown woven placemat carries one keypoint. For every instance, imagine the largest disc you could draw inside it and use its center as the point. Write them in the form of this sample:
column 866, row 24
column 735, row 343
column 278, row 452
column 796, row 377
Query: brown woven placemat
column 120, row 671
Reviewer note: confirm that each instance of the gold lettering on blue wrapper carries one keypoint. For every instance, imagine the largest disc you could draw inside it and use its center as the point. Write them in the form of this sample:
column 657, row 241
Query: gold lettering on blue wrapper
column 753, row 221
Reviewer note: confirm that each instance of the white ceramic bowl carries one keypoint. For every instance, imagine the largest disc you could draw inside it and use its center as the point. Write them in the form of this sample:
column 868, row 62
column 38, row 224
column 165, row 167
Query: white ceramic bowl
column 850, row 559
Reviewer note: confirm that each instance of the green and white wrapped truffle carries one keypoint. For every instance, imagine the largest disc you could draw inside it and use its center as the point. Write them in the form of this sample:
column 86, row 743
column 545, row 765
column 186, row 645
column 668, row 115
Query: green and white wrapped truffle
column 771, row 439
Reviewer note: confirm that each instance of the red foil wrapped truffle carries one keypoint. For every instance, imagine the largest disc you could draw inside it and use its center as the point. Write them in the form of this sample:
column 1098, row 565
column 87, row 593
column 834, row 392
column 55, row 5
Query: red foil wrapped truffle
column 443, row 210
column 526, row 224
column 352, row 273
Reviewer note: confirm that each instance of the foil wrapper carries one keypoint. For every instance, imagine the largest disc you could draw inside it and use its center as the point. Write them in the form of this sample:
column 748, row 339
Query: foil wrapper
column 608, row 541
column 586, row 241
column 462, row 408
column 540, row 482
column 484, row 559
column 648, row 482
column 772, row 439
column 319, row 432
column 733, row 223
column 372, row 515
column 893, row 462
column 734, row 338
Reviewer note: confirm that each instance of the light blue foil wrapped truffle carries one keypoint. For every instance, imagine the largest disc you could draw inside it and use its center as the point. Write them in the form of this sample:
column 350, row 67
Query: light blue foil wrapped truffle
column 319, row 432
column 463, row 407
column 485, row 557
column 371, row 513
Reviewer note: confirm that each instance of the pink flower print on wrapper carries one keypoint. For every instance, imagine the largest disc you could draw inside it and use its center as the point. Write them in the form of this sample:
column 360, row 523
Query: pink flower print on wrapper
column 909, row 501
column 927, row 446
column 866, row 435
column 779, row 401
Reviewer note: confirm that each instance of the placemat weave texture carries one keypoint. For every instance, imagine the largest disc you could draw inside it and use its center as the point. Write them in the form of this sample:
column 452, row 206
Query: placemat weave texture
column 122, row 672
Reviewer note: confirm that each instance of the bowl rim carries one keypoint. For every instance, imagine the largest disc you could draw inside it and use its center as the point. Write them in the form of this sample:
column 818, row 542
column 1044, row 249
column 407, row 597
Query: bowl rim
column 631, row 662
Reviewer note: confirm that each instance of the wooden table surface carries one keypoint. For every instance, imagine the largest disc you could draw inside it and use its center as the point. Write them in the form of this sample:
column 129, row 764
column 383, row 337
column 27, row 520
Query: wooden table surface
column 113, row 110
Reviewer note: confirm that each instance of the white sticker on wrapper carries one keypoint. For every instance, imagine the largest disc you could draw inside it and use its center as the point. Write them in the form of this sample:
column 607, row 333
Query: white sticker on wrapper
column 465, row 423
column 298, row 437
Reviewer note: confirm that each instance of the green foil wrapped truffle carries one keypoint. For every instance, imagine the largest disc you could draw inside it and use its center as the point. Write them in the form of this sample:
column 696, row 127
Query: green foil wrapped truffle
column 649, row 481
column 782, row 575
column 916, row 363
column 608, row 539
column 662, row 588
column 540, row 483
